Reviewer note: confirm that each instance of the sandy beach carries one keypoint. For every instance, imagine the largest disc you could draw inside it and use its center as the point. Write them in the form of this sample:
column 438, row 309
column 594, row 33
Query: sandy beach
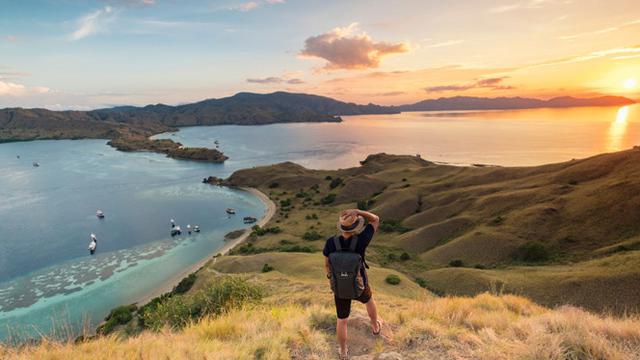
column 168, row 285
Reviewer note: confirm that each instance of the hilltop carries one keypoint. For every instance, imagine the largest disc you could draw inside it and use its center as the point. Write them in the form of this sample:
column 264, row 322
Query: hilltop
column 566, row 233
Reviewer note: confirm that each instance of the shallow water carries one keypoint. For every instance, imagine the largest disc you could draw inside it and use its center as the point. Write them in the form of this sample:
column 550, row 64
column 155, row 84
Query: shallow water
column 508, row 138
column 47, row 277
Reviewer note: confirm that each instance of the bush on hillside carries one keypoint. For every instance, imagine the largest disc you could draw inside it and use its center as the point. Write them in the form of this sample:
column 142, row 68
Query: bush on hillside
column 456, row 263
column 330, row 198
column 185, row 284
column 336, row 182
column 224, row 294
column 267, row 268
column 118, row 316
column 393, row 279
column 392, row 226
column 365, row 204
column 312, row 235
column 532, row 251
column 405, row 256
column 273, row 185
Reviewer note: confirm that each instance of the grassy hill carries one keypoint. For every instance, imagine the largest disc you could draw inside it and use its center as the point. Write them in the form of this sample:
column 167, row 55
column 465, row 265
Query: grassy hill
column 566, row 233
column 294, row 319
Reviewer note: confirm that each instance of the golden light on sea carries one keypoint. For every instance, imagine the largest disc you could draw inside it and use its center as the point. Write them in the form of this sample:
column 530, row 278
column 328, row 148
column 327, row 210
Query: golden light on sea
column 618, row 129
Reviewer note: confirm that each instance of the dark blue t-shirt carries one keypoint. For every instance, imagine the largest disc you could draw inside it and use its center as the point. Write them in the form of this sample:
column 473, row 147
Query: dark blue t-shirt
column 364, row 238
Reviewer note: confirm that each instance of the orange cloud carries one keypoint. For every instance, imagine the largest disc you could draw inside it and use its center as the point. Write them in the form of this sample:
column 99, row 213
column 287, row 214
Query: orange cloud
column 345, row 50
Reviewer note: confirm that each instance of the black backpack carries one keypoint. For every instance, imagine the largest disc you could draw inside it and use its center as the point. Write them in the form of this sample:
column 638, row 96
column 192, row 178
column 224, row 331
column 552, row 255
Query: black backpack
column 346, row 266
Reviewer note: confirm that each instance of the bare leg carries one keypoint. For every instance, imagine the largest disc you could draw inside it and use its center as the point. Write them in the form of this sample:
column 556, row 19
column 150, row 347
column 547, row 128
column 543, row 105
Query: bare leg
column 342, row 335
column 372, row 310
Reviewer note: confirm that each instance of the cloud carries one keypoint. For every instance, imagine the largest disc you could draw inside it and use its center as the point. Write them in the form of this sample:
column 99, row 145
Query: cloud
column 267, row 80
column 488, row 83
column 295, row 81
column 600, row 31
column 8, row 88
column 252, row 5
column 93, row 23
column 345, row 50
column 275, row 80
column 11, row 38
column 615, row 53
column 445, row 43
column 525, row 4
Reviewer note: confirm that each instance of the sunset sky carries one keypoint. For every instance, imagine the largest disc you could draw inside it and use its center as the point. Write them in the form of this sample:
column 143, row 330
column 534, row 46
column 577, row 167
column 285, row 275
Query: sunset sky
column 66, row 54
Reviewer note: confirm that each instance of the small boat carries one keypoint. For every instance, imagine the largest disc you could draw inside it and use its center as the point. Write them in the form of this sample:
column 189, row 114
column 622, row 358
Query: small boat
column 18, row 156
column 100, row 214
column 176, row 231
column 173, row 223
column 230, row 211
column 36, row 164
column 196, row 228
column 249, row 219
column 189, row 229
column 216, row 142
column 93, row 244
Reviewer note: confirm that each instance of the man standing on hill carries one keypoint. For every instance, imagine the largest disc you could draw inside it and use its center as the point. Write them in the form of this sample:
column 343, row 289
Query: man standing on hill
column 345, row 266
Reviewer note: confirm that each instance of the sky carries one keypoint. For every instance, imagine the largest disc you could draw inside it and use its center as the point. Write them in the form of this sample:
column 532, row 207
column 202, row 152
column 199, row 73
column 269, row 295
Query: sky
column 73, row 54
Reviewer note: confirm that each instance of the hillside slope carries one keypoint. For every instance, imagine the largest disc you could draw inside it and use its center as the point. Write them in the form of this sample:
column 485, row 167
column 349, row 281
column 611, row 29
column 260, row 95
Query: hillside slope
column 559, row 233
column 296, row 320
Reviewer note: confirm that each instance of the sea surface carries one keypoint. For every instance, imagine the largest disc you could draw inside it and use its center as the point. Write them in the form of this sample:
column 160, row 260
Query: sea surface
column 50, row 284
column 504, row 137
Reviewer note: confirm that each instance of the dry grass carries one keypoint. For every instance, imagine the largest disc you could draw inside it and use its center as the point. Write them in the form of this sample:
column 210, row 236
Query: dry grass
column 483, row 327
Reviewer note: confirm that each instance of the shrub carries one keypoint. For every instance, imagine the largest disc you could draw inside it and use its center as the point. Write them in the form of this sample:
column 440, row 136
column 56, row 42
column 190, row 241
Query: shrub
column 266, row 268
column 328, row 177
column 118, row 316
column 285, row 203
column 405, row 256
column 480, row 266
column 391, row 257
column 312, row 235
column 392, row 226
column 224, row 294
column 393, row 279
column 185, row 284
column 422, row 282
column 532, row 251
column 365, row 204
column 258, row 231
column 330, row 198
column 456, row 263
column 336, row 182
column 274, row 185
column 302, row 194
column 312, row 217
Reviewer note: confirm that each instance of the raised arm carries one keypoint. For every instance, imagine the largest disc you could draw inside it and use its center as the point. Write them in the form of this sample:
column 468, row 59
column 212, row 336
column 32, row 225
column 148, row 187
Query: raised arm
column 372, row 218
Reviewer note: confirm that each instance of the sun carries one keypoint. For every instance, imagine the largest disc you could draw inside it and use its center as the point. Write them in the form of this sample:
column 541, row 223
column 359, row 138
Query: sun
column 630, row 84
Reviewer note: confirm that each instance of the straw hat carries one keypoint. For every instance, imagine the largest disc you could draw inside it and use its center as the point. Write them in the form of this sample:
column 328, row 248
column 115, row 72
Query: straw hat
column 351, row 224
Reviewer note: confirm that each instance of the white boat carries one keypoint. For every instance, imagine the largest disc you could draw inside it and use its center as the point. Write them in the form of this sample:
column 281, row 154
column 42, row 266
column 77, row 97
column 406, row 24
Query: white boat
column 100, row 214
column 230, row 211
column 93, row 244
column 36, row 164
column 249, row 219
column 196, row 228
column 189, row 228
column 176, row 231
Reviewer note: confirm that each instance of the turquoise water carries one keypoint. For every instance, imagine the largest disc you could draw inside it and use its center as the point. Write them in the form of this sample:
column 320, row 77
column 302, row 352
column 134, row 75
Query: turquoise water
column 48, row 281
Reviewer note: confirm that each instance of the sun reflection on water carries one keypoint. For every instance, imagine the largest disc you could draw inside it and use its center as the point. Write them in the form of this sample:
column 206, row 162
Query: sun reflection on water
column 618, row 129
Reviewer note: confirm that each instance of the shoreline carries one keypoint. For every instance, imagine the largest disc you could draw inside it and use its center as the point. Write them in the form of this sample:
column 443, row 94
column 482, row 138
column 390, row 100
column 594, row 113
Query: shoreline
column 168, row 285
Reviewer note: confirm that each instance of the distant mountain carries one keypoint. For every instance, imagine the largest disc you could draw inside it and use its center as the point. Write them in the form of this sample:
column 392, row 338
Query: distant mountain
column 501, row 103
column 243, row 109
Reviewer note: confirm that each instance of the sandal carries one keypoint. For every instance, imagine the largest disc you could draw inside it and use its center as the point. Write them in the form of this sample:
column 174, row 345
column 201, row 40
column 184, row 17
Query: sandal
column 376, row 333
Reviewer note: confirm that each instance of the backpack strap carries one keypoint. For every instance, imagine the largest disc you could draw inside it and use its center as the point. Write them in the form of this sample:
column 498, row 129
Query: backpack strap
column 336, row 242
column 353, row 243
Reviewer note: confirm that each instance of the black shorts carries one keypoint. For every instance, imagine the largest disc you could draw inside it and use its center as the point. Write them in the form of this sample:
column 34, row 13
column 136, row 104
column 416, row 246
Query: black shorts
column 343, row 306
